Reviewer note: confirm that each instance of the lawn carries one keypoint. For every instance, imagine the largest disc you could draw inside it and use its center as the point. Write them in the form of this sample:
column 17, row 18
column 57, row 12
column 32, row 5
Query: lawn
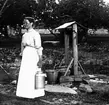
column 93, row 58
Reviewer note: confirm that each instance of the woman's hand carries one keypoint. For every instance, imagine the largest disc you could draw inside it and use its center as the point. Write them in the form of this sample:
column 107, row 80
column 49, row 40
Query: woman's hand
column 20, row 54
column 39, row 64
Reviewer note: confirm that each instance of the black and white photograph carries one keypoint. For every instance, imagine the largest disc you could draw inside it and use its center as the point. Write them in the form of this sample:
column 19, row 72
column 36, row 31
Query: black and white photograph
column 54, row 52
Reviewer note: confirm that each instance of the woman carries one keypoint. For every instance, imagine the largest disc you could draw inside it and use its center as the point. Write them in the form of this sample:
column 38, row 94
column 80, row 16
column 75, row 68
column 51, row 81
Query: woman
column 31, row 51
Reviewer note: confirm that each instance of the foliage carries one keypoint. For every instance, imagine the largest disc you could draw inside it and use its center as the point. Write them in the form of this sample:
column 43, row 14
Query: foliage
column 89, row 13
column 53, row 14
column 89, row 55
column 93, row 57
column 52, row 59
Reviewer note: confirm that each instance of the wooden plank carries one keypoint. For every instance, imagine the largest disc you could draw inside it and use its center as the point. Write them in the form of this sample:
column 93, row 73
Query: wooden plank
column 72, row 78
column 69, row 67
column 75, row 49
column 65, row 25
column 64, row 79
column 66, row 48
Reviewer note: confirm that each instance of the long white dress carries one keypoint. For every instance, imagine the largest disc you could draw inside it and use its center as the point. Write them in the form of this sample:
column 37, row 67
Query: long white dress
column 26, row 80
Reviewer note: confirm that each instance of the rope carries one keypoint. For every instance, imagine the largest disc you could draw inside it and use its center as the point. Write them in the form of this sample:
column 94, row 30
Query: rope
column 3, row 7
column 81, row 25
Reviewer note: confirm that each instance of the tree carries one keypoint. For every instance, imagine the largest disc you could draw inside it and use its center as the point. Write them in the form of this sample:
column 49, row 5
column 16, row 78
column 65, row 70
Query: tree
column 90, row 13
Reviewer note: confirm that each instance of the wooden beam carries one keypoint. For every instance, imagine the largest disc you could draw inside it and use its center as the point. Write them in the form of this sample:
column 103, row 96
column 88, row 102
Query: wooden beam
column 66, row 48
column 75, row 49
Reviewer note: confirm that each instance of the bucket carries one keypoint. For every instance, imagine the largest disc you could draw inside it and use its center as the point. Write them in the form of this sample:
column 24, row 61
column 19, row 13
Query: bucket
column 52, row 76
column 40, row 80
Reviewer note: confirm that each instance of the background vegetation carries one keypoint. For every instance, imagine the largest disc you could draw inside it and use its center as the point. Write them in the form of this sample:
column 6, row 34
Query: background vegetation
column 52, row 13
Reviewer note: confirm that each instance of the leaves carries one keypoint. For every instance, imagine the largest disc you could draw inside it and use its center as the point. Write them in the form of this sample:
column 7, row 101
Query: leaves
column 53, row 14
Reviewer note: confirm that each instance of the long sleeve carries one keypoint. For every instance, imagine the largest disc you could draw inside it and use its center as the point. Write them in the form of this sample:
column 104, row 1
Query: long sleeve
column 37, row 42
column 22, row 46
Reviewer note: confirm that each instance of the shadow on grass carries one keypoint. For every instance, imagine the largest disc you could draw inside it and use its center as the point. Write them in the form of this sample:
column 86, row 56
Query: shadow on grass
column 14, row 100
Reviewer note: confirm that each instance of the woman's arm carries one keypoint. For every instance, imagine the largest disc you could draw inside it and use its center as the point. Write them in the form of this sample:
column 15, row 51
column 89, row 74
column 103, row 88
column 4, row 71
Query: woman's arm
column 38, row 46
column 39, row 50
column 22, row 48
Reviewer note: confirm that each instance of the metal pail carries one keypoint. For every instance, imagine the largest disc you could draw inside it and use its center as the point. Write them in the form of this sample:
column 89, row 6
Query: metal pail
column 40, row 80
column 52, row 76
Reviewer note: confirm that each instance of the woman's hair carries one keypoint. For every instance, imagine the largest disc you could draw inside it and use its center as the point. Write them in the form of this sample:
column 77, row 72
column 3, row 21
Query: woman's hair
column 31, row 19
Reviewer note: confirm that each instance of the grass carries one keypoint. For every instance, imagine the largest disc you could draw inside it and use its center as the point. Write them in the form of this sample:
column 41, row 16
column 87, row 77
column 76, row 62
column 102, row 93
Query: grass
column 94, row 58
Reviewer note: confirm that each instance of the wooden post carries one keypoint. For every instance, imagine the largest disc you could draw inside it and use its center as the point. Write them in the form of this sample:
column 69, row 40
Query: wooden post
column 66, row 48
column 75, row 49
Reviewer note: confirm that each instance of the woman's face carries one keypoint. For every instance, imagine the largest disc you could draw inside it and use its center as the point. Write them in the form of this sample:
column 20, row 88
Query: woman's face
column 27, row 24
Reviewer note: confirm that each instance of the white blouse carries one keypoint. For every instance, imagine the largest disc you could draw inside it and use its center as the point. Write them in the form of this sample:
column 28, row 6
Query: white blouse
column 32, row 38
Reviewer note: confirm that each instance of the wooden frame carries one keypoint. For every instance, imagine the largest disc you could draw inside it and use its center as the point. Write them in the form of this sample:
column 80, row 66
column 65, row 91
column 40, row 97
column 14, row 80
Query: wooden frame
column 74, row 44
